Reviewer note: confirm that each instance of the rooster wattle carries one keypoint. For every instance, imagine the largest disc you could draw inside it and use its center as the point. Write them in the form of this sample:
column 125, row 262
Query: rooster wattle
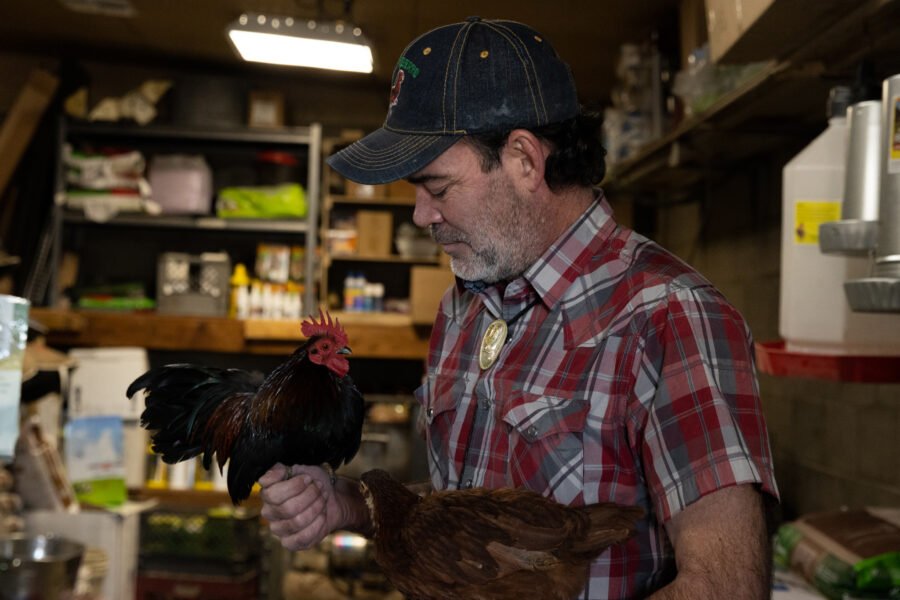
column 307, row 411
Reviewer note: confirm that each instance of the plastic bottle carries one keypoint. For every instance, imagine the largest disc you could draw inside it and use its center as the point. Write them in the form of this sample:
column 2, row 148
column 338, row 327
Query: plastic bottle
column 239, row 280
column 814, row 315
column 354, row 288
column 256, row 300
column 368, row 302
column 349, row 282
column 243, row 302
column 359, row 293
column 266, row 301
column 292, row 305
column 379, row 298
column 13, row 336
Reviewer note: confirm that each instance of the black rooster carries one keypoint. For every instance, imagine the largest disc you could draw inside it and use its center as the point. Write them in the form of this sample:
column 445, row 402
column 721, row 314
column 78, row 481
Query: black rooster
column 307, row 411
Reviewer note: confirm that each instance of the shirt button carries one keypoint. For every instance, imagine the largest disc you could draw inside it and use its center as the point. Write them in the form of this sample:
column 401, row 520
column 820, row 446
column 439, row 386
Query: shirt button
column 430, row 412
column 468, row 484
column 531, row 432
column 485, row 404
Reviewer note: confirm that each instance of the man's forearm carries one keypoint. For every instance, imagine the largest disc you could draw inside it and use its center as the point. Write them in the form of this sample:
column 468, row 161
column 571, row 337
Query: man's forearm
column 722, row 548
column 354, row 512
column 736, row 586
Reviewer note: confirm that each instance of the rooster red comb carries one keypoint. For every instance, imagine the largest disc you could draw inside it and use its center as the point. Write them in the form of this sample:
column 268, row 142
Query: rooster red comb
column 325, row 326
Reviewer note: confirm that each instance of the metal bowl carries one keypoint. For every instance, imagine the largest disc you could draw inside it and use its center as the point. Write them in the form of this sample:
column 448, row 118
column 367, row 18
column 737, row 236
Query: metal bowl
column 40, row 566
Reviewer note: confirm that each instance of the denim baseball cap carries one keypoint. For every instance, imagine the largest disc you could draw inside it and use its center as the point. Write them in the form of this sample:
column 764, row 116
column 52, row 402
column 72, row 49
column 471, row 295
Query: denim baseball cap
column 472, row 77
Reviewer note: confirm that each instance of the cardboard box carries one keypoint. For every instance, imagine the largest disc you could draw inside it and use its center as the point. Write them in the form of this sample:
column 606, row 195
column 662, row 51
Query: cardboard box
column 375, row 230
column 742, row 31
column 401, row 189
column 100, row 378
column 23, row 119
column 265, row 109
column 426, row 288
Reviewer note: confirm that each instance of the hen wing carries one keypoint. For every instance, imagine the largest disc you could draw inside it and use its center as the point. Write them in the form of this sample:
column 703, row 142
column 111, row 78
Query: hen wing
column 478, row 537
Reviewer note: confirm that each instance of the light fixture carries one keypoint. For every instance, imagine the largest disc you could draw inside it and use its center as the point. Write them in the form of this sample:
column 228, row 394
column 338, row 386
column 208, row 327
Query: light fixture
column 302, row 43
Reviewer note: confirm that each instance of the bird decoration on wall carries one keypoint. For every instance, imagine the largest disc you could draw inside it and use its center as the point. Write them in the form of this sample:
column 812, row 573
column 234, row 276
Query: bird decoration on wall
column 484, row 544
column 307, row 411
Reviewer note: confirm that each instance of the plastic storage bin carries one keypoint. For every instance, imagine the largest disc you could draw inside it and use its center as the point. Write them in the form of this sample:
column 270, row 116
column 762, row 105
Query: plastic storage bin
column 181, row 184
column 218, row 541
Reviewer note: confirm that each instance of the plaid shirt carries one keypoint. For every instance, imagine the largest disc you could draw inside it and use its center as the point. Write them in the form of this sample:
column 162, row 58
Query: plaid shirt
column 627, row 378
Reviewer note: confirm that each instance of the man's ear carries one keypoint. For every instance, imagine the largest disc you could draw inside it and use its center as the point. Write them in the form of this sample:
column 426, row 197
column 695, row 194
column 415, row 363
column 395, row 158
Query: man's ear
column 525, row 156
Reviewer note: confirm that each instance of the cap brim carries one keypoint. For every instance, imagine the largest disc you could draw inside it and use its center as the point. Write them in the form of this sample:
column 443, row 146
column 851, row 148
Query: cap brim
column 385, row 155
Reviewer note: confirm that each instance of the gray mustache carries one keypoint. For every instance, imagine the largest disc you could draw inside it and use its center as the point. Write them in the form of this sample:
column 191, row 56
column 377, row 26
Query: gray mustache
column 444, row 235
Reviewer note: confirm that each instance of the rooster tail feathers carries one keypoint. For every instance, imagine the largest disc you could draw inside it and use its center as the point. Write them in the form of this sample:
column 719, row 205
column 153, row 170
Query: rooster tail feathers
column 181, row 400
column 609, row 524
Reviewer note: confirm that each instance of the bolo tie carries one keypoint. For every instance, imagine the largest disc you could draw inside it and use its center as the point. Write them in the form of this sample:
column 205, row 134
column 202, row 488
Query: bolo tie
column 495, row 336
column 491, row 344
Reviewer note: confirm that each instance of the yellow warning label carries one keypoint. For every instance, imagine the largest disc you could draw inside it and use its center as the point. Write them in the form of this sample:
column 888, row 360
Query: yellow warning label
column 809, row 214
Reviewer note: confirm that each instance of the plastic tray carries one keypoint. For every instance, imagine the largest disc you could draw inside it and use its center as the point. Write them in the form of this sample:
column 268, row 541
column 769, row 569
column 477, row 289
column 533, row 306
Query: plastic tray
column 773, row 359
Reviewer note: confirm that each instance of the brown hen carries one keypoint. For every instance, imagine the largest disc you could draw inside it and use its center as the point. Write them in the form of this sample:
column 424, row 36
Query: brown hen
column 488, row 544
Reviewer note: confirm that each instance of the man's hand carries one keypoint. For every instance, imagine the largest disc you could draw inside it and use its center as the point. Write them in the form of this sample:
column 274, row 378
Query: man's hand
column 304, row 509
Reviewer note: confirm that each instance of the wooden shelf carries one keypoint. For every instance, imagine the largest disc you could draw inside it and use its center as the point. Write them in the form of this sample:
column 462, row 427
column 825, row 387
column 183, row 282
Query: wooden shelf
column 775, row 107
column 298, row 225
column 192, row 498
column 371, row 335
column 339, row 199
column 268, row 329
column 389, row 258
column 281, row 135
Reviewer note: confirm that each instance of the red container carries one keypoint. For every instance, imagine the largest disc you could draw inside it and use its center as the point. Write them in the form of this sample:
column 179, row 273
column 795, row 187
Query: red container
column 165, row 585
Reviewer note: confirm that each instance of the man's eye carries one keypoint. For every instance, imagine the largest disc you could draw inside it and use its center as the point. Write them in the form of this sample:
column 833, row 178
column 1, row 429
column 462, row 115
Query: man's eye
column 438, row 193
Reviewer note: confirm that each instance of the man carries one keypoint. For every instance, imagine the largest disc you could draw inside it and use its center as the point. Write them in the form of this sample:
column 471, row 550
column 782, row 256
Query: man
column 574, row 357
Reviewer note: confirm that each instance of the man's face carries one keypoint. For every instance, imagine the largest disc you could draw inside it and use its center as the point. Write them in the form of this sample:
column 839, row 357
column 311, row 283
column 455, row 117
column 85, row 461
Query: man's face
column 479, row 219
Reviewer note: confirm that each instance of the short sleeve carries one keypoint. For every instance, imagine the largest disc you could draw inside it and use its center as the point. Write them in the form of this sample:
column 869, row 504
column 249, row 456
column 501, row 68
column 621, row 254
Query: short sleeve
column 703, row 427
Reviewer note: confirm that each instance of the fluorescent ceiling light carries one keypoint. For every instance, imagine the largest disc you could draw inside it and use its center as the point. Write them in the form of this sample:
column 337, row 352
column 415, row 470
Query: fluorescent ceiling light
column 286, row 41
column 110, row 8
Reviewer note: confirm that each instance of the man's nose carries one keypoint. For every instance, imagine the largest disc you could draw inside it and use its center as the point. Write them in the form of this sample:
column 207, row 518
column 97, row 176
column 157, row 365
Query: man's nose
column 426, row 212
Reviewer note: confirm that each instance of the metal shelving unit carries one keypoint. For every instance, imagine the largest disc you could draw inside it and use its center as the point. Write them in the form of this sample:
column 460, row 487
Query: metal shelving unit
column 193, row 222
column 231, row 141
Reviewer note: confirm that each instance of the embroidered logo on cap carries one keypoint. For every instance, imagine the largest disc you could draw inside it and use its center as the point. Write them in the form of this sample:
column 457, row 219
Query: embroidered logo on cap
column 395, row 89
column 408, row 66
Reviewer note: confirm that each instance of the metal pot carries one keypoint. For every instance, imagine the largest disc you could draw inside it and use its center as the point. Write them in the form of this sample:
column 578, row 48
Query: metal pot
column 38, row 567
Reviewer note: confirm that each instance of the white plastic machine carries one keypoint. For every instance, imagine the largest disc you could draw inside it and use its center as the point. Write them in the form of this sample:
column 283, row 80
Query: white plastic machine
column 815, row 314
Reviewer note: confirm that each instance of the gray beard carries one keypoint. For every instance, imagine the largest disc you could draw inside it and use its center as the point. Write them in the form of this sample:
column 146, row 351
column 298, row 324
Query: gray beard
column 485, row 263
column 503, row 248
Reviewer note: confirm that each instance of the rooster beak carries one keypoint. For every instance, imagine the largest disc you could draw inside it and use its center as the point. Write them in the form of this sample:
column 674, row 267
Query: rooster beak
column 344, row 350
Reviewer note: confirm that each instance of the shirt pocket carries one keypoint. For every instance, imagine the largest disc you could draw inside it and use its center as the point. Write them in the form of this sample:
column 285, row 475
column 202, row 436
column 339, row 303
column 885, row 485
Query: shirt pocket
column 440, row 396
column 546, row 444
